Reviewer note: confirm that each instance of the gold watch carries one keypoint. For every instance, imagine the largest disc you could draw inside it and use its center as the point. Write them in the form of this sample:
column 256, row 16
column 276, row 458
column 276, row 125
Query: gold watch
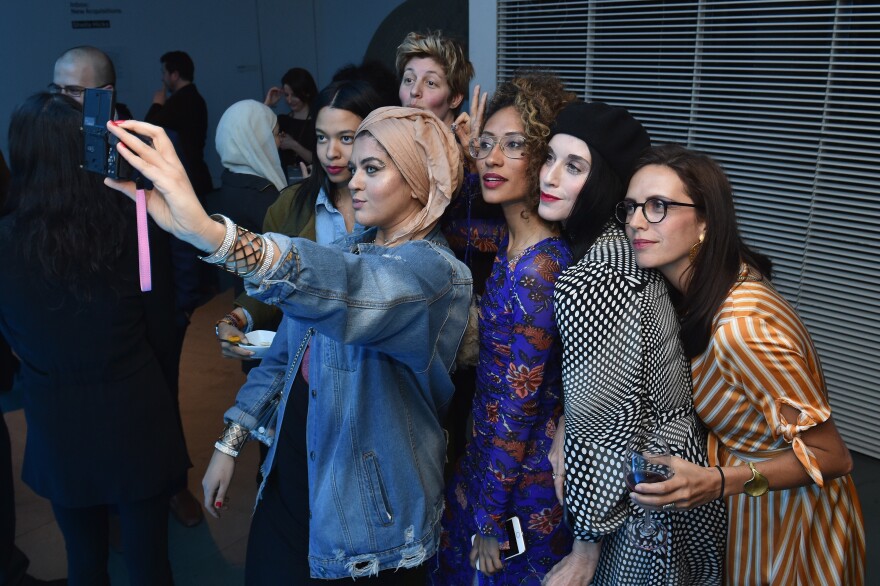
column 757, row 485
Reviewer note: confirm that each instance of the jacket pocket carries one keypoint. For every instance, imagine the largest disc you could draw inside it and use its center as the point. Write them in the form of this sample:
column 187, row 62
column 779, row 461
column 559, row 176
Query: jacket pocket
column 378, row 494
column 338, row 356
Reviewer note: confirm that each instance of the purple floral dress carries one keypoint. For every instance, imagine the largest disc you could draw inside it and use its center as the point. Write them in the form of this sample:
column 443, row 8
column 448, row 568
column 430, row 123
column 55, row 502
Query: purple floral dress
column 505, row 471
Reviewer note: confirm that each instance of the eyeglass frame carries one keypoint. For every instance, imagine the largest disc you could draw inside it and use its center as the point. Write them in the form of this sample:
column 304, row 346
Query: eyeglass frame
column 496, row 141
column 627, row 218
column 74, row 91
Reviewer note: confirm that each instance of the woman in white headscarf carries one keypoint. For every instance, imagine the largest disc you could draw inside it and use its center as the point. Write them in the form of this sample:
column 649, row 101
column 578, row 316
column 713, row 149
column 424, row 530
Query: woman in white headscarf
column 247, row 142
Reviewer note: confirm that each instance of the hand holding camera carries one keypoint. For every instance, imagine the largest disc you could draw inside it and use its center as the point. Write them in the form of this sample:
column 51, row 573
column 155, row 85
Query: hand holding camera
column 99, row 145
column 171, row 202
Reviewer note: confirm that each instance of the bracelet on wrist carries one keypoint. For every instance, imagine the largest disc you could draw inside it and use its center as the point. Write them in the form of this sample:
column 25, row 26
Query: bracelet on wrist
column 265, row 263
column 232, row 439
column 242, row 252
column 233, row 320
column 229, row 319
column 581, row 556
column 228, row 240
column 721, row 472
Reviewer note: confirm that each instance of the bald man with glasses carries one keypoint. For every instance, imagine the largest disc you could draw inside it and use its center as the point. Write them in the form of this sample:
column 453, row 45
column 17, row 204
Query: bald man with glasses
column 85, row 67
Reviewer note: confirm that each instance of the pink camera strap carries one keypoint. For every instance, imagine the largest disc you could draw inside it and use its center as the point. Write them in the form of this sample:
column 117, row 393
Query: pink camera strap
column 143, row 241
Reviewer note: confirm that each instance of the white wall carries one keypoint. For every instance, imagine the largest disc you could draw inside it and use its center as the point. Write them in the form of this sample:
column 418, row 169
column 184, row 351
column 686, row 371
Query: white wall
column 240, row 47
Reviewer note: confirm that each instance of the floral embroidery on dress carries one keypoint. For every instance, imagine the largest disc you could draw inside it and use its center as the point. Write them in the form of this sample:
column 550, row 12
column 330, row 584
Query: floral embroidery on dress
column 505, row 471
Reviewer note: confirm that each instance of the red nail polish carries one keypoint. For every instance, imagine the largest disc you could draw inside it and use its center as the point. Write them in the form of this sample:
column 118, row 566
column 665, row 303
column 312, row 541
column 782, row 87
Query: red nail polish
column 218, row 504
column 116, row 122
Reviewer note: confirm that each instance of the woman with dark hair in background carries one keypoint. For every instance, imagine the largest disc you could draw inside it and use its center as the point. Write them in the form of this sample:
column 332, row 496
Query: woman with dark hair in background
column 623, row 370
column 783, row 469
column 13, row 562
column 505, row 471
column 298, row 126
column 95, row 362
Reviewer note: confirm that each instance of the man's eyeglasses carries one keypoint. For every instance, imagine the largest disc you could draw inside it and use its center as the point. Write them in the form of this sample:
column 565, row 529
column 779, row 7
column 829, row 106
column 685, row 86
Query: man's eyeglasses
column 513, row 146
column 654, row 209
column 74, row 91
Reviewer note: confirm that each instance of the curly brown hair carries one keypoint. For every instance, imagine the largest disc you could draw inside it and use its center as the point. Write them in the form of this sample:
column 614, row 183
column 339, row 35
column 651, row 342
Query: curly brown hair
column 537, row 96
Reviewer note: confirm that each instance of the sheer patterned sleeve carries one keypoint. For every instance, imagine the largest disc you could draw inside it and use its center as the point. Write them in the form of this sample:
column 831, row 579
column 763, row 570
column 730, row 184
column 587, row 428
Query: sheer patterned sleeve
column 605, row 397
column 531, row 341
column 469, row 223
column 260, row 315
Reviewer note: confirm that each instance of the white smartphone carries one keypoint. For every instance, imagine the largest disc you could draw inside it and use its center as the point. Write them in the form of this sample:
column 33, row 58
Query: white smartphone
column 514, row 538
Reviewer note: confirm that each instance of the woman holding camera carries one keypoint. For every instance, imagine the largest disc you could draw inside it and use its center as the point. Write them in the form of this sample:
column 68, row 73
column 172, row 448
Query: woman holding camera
column 370, row 331
column 96, row 365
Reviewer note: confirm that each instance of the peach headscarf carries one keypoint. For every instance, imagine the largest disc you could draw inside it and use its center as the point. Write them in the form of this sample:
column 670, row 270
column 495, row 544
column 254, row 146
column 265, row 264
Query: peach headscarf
column 426, row 154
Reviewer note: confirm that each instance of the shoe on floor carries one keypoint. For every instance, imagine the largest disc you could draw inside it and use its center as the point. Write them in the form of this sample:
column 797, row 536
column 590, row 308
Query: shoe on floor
column 186, row 509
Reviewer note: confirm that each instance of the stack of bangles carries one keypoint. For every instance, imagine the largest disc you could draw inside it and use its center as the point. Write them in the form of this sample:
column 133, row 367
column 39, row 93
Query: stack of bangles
column 232, row 320
column 233, row 438
column 242, row 252
column 249, row 256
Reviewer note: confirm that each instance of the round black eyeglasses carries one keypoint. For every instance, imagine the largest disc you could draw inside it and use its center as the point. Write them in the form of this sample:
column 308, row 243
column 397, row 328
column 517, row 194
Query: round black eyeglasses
column 654, row 209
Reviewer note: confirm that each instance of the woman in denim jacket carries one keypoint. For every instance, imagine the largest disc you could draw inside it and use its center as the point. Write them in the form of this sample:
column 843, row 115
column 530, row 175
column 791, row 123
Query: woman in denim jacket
column 371, row 328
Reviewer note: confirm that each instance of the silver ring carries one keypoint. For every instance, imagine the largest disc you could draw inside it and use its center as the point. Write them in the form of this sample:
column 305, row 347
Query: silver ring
column 554, row 475
column 668, row 506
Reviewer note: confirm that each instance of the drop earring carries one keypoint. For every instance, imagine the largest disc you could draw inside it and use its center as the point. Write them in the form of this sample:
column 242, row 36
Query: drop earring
column 695, row 249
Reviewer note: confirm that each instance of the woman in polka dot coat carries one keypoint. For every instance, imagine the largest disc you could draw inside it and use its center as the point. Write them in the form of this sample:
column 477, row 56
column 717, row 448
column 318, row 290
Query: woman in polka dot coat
column 623, row 369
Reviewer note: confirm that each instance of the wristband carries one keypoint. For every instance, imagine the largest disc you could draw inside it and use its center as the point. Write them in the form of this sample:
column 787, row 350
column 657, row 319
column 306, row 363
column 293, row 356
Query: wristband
column 721, row 472
column 143, row 238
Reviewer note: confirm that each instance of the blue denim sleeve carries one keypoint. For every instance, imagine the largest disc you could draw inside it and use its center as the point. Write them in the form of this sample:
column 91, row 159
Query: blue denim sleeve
column 262, row 382
column 378, row 299
column 531, row 342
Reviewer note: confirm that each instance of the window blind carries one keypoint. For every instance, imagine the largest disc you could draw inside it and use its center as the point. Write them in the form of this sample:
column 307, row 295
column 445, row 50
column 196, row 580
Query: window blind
column 785, row 95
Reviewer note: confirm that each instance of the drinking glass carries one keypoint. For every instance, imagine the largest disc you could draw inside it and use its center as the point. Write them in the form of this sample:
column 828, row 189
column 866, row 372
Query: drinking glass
column 648, row 460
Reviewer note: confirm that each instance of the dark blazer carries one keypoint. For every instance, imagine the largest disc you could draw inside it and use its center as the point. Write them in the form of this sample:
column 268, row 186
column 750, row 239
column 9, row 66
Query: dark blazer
column 102, row 426
column 186, row 114
column 243, row 198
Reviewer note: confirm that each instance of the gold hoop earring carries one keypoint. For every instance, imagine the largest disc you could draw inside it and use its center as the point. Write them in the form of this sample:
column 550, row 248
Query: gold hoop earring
column 695, row 249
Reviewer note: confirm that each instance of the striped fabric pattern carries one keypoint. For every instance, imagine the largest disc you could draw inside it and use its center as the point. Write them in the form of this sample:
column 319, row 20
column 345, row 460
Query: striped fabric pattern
column 759, row 358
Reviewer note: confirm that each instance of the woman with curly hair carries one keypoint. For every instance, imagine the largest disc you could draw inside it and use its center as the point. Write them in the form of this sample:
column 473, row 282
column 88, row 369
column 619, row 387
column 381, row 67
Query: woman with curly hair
column 505, row 471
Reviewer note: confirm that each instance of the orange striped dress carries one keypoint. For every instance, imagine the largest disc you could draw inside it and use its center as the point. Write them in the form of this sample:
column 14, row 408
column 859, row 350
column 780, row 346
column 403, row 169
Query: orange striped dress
column 761, row 357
